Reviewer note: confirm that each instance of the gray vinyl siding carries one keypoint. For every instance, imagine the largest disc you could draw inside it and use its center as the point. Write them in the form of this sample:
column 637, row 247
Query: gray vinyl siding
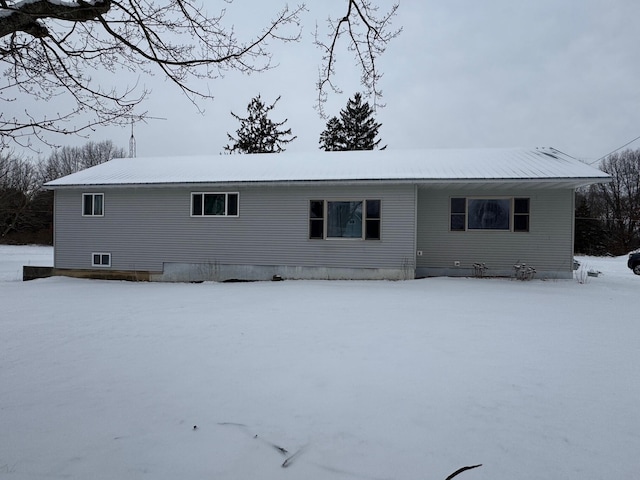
column 142, row 228
column 548, row 246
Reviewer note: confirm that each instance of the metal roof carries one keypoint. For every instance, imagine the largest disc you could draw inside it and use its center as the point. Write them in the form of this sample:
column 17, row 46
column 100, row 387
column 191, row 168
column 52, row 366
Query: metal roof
column 436, row 166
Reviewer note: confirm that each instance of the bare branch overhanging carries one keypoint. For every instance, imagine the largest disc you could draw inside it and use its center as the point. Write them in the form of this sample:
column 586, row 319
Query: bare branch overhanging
column 368, row 36
column 49, row 49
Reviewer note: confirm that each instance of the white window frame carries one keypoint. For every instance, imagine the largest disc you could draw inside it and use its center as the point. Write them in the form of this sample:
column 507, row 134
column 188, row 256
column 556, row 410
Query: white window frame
column 325, row 219
column 102, row 255
column 226, row 204
column 93, row 203
column 512, row 214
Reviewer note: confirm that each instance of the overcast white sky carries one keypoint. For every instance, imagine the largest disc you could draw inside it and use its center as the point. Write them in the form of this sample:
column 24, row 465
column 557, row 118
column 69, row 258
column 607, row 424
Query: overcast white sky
column 462, row 74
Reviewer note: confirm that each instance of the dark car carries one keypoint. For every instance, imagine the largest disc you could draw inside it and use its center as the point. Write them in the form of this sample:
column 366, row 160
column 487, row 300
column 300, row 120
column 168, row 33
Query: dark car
column 634, row 262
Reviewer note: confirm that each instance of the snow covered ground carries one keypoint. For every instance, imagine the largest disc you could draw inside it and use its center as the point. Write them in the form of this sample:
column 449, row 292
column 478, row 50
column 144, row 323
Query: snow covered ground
column 363, row 380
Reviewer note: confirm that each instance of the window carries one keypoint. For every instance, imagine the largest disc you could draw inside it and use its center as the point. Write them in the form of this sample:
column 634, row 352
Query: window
column 372, row 220
column 488, row 214
column 458, row 213
column 214, row 204
column 344, row 219
column 520, row 214
column 92, row 204
column 507, row 214
column 316, row 219
column 100, row 259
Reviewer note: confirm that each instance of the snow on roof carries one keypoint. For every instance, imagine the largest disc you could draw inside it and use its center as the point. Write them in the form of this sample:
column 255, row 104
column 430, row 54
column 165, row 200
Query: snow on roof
column 419, row 166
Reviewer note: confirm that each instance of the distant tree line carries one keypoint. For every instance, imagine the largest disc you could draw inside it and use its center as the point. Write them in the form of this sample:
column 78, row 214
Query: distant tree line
column 608, row 214
column 26, row 208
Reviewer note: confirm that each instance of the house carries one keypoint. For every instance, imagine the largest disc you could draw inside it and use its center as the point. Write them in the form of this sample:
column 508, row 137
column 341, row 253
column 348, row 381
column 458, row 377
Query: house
column 322, row 215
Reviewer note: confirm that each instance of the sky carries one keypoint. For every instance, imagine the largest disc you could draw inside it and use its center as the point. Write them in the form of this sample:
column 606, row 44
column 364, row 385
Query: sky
column 462, row 74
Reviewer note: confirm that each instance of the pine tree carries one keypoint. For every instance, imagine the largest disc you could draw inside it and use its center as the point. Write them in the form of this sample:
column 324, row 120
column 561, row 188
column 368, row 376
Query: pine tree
column 333, row 139
column 355, row 130
column 360, row 128
column 258, row 133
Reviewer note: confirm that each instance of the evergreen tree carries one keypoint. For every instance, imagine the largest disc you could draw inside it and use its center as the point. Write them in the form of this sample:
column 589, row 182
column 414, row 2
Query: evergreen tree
column 258, row 133
column 355, row 130
column 333, row 139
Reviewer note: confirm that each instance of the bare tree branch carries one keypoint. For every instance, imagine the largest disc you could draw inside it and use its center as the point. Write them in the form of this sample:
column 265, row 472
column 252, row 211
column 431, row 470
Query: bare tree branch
column 26, row 16
column 49, row 48
column 368, row 37
column 460, row 470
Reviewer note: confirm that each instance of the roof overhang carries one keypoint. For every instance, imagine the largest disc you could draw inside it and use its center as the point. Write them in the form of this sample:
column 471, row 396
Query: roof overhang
column 555, row 183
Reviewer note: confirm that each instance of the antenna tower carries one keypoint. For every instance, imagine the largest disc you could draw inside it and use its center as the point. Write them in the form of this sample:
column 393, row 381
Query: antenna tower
column 132, row 143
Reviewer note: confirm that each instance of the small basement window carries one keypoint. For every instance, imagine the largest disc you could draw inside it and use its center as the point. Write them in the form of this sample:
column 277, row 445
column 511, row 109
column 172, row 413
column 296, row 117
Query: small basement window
column 100, row 259
column 211, row 204
column 92, row 204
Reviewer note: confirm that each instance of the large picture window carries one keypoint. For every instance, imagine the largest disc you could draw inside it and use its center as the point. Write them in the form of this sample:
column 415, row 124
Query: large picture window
column 214, row 204
column 488, row 214
column 506, row 214
column 330, row 219
column 93, row 204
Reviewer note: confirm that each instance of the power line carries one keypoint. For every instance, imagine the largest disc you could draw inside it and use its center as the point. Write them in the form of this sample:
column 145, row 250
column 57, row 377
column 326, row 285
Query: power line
column 619, row 148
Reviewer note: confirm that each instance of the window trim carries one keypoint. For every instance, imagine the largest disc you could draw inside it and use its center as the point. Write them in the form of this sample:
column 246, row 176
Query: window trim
column 325, row 217
column 512, row 213
column 226, row 204
column 102, row 256
column 93, row 204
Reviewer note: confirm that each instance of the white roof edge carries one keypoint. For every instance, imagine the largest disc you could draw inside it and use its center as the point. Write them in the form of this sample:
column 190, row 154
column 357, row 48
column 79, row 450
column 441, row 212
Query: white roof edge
column 547, row 181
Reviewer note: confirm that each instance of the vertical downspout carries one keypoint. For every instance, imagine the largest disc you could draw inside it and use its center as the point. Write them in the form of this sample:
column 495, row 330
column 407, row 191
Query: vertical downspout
column 573, row 228
column 415, row 229
column 55, row 229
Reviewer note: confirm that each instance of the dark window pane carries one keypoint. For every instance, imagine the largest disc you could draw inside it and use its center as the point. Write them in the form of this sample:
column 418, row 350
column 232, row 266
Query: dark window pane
column 105, row 260
column 489, row 214
column 521, row 223
column 458, row 205
column 96, row 259
column 196, row 207
column 457, row 222
column 344, row 219
column 373, row 230
column 316, row 228
column 87, row 208
column 373, row 208
column 521, row 205
column 214, row 204
column 232, row 204
column 97, row 204
column 316, row 209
